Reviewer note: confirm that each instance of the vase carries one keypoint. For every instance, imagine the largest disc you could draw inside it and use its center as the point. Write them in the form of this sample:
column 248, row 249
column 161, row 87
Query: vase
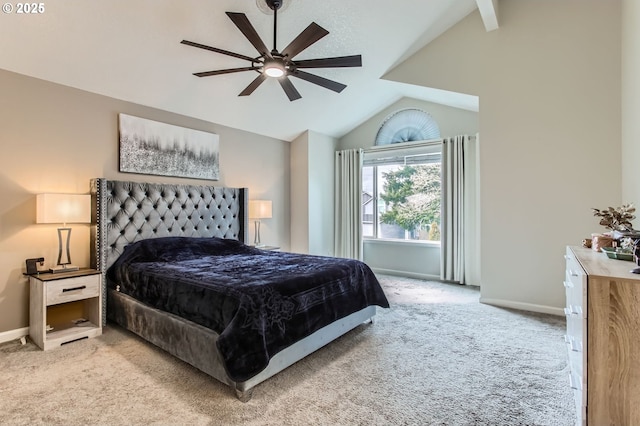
column 601, row 240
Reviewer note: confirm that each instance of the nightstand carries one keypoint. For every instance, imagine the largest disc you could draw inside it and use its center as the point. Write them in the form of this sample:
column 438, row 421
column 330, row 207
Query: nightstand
column 64, row 307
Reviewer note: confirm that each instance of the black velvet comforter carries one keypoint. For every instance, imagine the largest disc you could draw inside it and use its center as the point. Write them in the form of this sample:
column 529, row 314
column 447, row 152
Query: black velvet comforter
column 259, row 302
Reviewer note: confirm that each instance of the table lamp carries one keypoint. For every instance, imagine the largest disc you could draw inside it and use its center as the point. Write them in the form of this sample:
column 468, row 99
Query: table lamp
column 63, row 208
column 259, row 209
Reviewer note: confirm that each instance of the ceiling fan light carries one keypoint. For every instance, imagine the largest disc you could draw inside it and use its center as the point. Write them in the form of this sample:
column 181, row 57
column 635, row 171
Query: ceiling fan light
column 274, row 69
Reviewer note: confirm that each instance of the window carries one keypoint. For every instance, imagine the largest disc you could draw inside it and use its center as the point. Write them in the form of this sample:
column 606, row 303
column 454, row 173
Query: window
column 401, row 191
column 407, row 125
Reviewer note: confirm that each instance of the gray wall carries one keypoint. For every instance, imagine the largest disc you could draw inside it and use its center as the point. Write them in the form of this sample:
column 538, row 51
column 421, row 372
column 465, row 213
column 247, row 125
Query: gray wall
column 56, row 138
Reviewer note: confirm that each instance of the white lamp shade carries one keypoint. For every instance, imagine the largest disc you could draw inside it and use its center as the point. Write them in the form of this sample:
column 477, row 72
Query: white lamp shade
column 63, row 208
column 260, row 209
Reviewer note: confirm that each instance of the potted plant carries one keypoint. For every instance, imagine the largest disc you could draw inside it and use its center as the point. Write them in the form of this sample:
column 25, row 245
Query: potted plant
column 617, row 219
column 618, row 222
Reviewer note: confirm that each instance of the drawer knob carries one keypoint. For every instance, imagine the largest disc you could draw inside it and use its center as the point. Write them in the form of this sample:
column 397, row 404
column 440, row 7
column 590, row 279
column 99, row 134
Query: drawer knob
column 82, row 287
column 573, row 310
column 575, row 384
column 576, row 346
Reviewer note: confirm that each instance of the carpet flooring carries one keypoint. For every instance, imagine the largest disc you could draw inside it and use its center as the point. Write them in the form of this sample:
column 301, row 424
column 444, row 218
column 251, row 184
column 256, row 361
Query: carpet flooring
column 437, row 357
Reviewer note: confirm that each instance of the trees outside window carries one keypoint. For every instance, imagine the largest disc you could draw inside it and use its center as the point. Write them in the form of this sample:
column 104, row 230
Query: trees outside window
column 401, row 198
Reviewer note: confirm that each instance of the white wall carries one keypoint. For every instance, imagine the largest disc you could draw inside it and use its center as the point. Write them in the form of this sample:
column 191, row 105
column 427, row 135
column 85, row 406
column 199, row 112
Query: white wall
column 312, row 189
column 321, row 193
column 549, row 88
column 55, row 139
column 408, row 259
column 631, row 102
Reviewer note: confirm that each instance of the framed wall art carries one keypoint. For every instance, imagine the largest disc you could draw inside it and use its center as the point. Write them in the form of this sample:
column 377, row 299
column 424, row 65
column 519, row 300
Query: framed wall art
column 153, row 148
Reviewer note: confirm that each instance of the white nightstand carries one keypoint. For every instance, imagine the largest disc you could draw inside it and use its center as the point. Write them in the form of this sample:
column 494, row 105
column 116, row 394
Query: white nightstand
column 65, row 307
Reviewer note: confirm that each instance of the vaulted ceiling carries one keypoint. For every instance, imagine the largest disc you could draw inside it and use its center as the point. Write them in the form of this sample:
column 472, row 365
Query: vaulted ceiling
column 130, row 50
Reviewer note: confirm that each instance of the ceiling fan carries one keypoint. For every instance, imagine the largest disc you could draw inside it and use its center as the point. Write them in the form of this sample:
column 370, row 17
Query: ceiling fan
column 280, row 65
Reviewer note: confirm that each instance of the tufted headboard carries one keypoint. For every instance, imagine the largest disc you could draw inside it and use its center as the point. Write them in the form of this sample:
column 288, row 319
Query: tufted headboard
column 125, row 212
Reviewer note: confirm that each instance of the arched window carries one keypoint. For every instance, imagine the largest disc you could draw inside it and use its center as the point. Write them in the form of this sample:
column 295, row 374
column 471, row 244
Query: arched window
column 401, row 179
column 407, row 125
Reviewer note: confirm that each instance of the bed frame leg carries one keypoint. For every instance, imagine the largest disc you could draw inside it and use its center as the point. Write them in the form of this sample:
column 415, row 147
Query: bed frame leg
column 244, row 396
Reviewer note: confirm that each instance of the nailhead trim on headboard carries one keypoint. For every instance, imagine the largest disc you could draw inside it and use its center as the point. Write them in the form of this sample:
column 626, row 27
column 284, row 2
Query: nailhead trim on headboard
column 125, row 212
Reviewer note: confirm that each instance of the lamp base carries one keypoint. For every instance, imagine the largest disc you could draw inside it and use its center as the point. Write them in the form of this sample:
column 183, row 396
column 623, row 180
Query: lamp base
column 256, row 241
column 63, row 268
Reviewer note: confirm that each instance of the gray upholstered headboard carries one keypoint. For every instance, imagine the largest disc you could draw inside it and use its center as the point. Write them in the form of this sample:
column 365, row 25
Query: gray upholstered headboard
column 125, row 212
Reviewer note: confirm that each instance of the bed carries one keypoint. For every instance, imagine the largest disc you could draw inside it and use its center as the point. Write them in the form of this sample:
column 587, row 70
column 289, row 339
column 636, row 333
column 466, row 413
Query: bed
column 177, row 272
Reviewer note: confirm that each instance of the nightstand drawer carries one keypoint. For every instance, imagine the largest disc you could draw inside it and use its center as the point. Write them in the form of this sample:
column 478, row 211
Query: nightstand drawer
column 71, row 289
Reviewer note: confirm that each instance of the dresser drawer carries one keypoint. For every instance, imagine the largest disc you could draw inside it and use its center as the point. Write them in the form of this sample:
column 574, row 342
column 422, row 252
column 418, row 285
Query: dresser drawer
column 576, row 355
column 604, row 348
column 572, row 262
column 576, row 332
column 71, row 289
column 575, row 283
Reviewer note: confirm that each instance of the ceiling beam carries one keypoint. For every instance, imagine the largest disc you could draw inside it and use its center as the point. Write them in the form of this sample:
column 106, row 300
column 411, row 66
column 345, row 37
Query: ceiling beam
column 489, row 12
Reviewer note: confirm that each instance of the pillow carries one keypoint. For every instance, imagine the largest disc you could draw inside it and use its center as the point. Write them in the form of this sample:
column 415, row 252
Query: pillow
column 173, row 249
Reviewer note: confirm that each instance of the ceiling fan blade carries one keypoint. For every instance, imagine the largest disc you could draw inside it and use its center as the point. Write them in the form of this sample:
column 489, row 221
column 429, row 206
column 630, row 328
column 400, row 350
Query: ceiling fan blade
column 243, row 24
column 337, row 62
column 215, row 49
column 320, row 81
column 253, row 85
column 289, row 89
column 306, row 38
column 227, row 71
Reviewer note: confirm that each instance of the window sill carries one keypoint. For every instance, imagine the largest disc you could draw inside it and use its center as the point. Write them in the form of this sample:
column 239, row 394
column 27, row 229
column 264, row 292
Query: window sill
column 385, row 241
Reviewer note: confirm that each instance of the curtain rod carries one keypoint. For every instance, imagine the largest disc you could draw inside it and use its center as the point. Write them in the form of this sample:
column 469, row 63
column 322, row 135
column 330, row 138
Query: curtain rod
column 395, row 146
column 399, row 145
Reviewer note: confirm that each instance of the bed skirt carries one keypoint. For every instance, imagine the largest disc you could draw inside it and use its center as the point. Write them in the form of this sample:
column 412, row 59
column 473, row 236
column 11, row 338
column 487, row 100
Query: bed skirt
column 196, row 344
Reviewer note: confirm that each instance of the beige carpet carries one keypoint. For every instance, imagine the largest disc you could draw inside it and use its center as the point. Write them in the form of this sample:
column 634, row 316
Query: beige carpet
column 437, row 357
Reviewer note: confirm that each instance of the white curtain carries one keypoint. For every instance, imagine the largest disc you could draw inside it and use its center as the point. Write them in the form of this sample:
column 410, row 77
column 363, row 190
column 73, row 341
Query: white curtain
column 455, row 167
column 348, row 204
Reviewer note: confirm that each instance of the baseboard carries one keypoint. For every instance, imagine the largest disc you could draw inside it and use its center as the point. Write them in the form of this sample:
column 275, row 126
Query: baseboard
column 406, row 274
column 543, row 309
column 16, row 334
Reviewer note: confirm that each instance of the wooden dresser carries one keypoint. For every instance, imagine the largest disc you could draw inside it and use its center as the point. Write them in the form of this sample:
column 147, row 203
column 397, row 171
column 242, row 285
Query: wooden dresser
column 603, row 337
